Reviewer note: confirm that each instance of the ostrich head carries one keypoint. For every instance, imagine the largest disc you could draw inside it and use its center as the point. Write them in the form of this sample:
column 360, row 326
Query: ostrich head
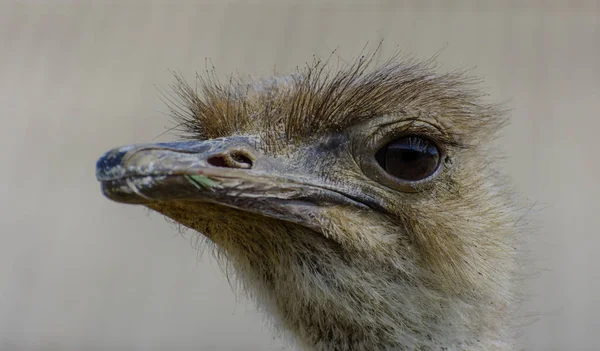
column 357, row 204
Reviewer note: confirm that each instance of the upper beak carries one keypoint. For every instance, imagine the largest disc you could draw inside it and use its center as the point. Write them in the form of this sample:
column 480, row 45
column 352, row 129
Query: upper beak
column 169, row 171
column 155, row 172
column 225, row 171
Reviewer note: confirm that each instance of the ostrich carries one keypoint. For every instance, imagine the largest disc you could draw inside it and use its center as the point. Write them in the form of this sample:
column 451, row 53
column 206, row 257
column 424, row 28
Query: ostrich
column 356, row 203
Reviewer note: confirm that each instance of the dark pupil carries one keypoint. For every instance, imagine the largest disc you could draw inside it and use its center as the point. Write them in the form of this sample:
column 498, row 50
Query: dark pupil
column 409, row 158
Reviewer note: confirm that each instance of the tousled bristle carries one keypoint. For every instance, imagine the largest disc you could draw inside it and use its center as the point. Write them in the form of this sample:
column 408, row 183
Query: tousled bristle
column 321, row 98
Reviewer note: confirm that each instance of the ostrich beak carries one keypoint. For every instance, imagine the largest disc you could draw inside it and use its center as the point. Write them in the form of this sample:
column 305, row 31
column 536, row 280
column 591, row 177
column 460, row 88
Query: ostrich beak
column 225, row 171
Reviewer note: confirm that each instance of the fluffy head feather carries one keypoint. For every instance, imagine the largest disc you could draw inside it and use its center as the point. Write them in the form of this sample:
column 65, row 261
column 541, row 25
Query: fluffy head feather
column 319, row 98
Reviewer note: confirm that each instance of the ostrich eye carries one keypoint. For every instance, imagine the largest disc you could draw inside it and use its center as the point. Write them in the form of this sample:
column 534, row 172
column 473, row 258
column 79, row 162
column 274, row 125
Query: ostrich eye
column 409, row 158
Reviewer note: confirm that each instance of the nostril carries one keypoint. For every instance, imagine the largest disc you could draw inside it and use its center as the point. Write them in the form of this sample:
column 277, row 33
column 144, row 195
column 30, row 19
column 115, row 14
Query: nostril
column 232, row 159
column 242, row 158
column 217, row 161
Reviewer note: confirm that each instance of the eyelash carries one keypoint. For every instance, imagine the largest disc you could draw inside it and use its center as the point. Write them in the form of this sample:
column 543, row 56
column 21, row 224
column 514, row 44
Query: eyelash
column 388, row 132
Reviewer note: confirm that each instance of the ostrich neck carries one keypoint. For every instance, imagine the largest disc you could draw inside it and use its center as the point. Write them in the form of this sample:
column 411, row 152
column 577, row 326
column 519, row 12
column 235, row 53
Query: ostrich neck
column 336, row 301
column 332, row 298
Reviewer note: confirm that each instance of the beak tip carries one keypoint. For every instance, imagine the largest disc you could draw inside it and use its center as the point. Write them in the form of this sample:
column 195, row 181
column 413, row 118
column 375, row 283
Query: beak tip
column 109, row 166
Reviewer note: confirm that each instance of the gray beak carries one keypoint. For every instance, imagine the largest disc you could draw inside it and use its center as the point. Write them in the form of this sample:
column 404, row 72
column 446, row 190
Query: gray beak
column 168, row 171
column 226, row 171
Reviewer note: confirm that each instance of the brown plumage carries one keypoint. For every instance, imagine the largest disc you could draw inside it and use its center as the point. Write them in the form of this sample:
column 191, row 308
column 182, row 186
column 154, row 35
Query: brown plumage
column 356, row 204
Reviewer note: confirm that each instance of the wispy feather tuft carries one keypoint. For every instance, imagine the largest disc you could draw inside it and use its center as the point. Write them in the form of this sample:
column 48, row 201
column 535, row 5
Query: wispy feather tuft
column 322, row 98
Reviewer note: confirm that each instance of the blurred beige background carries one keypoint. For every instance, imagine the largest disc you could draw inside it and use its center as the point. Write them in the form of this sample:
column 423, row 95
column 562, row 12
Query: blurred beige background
column 78, row 272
